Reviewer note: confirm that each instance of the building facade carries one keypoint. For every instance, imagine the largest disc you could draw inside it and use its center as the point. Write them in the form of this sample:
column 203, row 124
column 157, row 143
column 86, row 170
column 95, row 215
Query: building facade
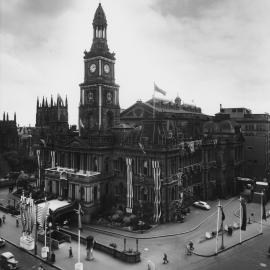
column 256, row 132
column 152, row 159
column 8, row 134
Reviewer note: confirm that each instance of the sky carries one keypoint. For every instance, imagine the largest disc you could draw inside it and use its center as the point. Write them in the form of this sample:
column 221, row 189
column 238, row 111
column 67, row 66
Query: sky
column 209, row 52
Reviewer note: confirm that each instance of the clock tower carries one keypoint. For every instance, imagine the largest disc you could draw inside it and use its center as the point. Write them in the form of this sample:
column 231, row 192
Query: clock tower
column 99, row 95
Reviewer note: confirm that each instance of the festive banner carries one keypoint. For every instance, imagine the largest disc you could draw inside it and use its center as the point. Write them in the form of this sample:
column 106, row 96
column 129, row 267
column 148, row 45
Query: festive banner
column 264, row 203
column 53, row 158
column 244, row 217
column 157, row 185
column 129, row 186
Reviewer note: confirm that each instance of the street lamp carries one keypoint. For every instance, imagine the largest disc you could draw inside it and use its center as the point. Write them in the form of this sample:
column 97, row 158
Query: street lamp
column 50, row 250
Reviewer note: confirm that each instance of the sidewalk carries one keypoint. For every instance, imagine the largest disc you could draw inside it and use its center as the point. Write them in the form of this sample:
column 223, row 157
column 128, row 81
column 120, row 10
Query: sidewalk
column 207, row 248
column 101, row 260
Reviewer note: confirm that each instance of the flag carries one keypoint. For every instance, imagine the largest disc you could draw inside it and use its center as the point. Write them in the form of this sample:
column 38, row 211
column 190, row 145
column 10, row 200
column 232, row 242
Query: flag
column 244, row 217
column 142, row 148
column 222, row 213
column 43, row 142
column 81, row 123
column 264, row 203
column 157, row 89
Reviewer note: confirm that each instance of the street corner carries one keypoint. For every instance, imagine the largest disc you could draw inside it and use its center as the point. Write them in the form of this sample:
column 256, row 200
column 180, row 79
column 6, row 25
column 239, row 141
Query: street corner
column 210, row 245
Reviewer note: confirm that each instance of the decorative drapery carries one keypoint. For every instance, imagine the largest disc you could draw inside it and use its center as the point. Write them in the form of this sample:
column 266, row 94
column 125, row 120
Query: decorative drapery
column 157, row 186
column 53, row 158
column 38, row 158
column 129, row 186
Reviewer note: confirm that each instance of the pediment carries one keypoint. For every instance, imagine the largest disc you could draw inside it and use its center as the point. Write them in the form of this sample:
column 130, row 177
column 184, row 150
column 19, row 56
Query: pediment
column 77, row 143
column 138, row 110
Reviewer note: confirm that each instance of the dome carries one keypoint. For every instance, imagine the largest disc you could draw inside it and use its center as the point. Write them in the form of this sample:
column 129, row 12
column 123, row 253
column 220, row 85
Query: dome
column 210, row 127
column 226, row 127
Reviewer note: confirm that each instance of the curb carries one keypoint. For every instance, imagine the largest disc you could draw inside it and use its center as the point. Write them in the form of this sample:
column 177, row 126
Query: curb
column 228, row 248
column 33, row 255
column 157, row 236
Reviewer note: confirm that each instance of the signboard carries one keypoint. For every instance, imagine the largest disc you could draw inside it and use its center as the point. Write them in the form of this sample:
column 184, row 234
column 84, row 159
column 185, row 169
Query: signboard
column 44, row 252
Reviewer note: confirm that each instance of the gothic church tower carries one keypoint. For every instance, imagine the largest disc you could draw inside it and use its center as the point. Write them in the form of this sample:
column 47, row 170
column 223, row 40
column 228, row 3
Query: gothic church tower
column 99, row 95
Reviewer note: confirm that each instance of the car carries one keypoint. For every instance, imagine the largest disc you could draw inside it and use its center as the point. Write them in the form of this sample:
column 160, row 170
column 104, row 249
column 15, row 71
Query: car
column 2, row 242
column 7, row 261
column 202, row 205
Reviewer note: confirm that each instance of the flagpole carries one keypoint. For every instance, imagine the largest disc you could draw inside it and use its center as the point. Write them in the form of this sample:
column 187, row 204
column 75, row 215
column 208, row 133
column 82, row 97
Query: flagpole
column 154, row 101
column 261, row 210
column 79, row 245
column 222, row 236
column 240, row 220
column 217, row 228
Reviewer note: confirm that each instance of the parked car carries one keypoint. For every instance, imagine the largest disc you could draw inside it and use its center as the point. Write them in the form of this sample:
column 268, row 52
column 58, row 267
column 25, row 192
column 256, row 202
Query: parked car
column 202, row 205
column 7, row 261
column 2, row 242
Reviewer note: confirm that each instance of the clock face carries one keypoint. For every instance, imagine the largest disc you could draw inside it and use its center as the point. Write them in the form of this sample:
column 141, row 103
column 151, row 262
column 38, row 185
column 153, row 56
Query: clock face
column 93, row 68
column 107, row 68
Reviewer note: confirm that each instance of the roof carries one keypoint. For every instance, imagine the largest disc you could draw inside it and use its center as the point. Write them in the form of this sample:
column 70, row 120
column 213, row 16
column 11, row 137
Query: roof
column 7, row 254
column 55, row 204
column 100, row 17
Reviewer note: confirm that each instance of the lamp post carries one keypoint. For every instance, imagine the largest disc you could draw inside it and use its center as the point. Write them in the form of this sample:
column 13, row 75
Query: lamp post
column 50, row 250
column 36, row 229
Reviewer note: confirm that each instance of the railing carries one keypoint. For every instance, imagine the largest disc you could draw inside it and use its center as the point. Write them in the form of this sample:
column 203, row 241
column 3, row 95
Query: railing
column 130, row 257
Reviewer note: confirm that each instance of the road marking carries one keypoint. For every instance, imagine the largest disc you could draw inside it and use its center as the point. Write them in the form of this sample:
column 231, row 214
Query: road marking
column 263, row 265
column 145, row 249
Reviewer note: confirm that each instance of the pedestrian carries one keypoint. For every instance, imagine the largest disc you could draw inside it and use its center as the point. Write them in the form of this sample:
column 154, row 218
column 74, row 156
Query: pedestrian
column 4, row 219
column 165, row 258
column 191, row 246
column 53, row 257
column 0, row 222
column 17, row 222
column 70, row 252
column 40, row 267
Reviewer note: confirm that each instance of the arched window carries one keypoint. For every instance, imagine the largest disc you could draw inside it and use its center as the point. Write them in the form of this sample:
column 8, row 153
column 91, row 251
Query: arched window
column 95, row 164
column 145, row 167
column 106, row 163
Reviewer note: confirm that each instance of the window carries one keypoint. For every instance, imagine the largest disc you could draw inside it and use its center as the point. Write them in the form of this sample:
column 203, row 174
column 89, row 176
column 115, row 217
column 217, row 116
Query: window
column 233, row 110
column 145, row 168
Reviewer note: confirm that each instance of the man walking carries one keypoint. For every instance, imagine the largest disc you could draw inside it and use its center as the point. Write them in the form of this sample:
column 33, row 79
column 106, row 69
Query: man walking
column 70, row 252
column 165, row 258
column 4, row 219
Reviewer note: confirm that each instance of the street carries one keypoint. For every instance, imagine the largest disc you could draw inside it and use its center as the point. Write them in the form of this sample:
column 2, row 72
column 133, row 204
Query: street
column 167, row 238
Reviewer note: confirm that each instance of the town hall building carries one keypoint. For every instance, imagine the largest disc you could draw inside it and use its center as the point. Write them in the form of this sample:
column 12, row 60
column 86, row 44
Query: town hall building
column 152, row 159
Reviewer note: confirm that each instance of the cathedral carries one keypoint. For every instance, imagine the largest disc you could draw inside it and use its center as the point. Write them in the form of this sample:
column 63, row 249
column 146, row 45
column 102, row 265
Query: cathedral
column 152, row 159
